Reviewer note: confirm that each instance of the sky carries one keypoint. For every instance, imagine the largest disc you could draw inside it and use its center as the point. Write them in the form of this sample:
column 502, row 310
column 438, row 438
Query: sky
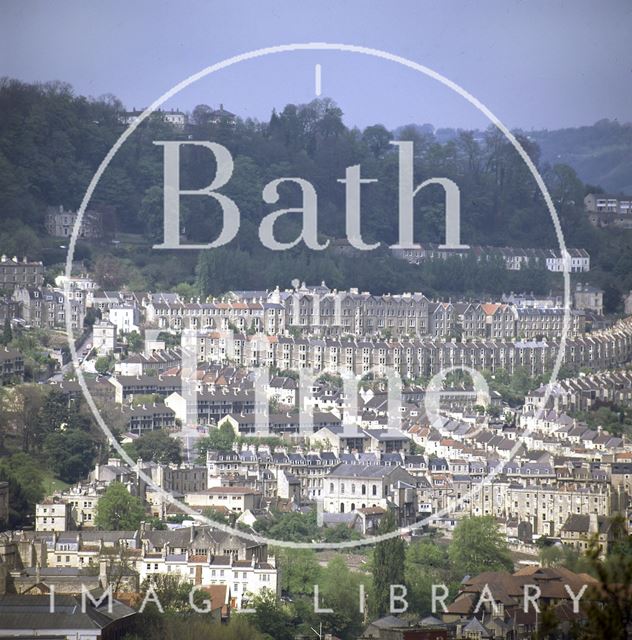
column 535, row 64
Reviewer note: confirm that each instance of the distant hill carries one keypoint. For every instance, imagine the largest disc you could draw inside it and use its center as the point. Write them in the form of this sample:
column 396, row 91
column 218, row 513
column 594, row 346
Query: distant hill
column 52, row 140
column 601, row 154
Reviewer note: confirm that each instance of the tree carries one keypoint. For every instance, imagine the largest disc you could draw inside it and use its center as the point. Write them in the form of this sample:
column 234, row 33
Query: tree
column 110, row 272
column 102, row 365
column 150, row 213
column 135, row 342
column 608, row 605
column 477, row 545
column 18, row 504
column 158, row 446
column 54, row 412
column 340, row 533
column 388, row 566
column 377, row 139
column 26, row 407
column 339, row 590
column 172, row 591
column 7, row 334
column 71, row 454
column 270, row 616
column 213, row 513
column 295, row 527
column 299, row 570
column 118, row 510
column 28, row 472
column 221, row 439
column 92, row 315
column 201, row 115
column 426, row 564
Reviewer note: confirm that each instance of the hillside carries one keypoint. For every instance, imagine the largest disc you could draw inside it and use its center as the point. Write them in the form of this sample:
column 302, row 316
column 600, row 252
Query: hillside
column 51, row 141
column 601, row 154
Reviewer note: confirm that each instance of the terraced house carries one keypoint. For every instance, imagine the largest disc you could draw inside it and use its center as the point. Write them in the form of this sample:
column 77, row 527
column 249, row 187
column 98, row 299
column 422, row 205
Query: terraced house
column 25, row 272
column 417, row 357
column 11, row 366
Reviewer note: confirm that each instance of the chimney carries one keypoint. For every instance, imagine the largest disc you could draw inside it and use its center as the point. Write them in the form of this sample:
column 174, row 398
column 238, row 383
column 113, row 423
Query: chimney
column 103, row 573
column 593, row 523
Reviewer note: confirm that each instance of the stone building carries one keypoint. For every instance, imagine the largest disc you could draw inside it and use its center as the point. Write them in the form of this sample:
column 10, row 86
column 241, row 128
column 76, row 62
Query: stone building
column 14, row 272
column 60, row 223
column 580, row 529
column 53, row 515
column 45, row 308
column 104, row 337
column 606, row 210
column 11, row 366
column 350, row 486
column 588, row 298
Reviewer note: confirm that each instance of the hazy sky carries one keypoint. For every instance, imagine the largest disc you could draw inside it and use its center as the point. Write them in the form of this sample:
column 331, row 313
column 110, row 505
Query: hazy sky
column 536, row 64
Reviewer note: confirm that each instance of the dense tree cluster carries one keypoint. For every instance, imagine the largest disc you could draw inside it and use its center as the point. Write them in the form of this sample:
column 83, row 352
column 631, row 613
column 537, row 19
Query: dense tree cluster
column 52, row 140
column 118, row 510
column 600, row 153
column 156, row 446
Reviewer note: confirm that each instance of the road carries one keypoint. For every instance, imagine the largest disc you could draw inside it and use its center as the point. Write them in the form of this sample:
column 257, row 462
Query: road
column 85, row 346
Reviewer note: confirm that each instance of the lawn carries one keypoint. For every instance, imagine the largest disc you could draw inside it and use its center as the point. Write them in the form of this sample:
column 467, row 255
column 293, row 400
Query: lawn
column 52, row 484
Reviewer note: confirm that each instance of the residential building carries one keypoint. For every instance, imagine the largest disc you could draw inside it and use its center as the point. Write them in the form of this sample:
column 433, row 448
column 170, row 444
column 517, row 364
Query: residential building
column 278, row 424
column 60, row 223
column 53, row 515
column 174, row 117
column 45, row 308
column 156, row 362
column 213, row 404
column 30, row 616
column 588, row 298
column 126, row 387
column 104, row 337
column 11, row 366
column 14, row 272
column 139, row 419
column 236, row 499
column 126, row 318
column 580, row 530
column 514, row 258
column 348, row 487
column 606, row 210
column 492, row 604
